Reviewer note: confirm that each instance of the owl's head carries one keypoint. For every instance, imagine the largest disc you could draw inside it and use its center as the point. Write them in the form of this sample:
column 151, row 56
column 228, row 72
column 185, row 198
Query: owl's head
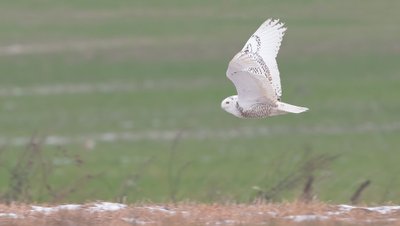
column 229, row 104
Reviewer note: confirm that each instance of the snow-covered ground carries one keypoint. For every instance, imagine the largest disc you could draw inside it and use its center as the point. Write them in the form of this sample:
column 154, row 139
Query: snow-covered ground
column 211, row 214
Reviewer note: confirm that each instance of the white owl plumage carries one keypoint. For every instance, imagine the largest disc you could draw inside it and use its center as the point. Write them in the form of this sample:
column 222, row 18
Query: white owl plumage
column 255, row 74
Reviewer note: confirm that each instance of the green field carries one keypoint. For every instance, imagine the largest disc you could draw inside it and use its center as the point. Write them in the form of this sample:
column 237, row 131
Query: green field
column 140, row 83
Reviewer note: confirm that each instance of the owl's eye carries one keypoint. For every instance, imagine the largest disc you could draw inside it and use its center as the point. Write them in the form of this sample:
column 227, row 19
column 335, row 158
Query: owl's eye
column 227, row 102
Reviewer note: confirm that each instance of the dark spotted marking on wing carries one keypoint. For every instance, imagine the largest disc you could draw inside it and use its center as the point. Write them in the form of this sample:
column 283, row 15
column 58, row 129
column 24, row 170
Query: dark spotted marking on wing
column 259, row 110
column 263, row 69
column 249, row 46
column 258, row 40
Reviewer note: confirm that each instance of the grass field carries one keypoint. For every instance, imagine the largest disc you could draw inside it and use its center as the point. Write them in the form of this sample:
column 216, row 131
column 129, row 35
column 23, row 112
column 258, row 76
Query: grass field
column 134, row 88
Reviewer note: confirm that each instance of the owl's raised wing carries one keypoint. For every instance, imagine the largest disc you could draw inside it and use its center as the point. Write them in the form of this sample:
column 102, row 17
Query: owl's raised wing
column 248, row 76
column 266, row 42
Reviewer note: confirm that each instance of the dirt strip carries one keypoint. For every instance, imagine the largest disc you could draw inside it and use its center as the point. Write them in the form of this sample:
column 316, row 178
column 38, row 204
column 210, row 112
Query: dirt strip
column 103, row 213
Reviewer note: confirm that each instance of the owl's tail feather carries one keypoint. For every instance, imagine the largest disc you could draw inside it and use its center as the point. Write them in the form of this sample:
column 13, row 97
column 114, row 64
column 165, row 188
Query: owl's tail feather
column 290, row 108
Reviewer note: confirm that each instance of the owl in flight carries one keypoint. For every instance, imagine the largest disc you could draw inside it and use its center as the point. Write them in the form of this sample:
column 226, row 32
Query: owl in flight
column 255, row 74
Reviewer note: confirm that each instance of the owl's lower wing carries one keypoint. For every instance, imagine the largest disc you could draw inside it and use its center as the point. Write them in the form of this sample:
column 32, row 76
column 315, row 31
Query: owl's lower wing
column 250, row 81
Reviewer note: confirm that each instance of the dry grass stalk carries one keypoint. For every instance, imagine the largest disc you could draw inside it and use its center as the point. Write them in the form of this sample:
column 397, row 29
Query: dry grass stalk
column 355, row 198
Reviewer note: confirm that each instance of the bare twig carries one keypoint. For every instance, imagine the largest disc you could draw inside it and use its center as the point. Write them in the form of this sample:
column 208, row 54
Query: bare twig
column 305, row 171
column 355, row 198
column 175, row 172
column 307, row 195
column 30, row 176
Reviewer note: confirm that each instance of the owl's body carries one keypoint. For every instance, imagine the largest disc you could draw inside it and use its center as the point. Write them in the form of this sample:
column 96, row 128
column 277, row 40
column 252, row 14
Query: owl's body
column 255, row 74
column 258, row 110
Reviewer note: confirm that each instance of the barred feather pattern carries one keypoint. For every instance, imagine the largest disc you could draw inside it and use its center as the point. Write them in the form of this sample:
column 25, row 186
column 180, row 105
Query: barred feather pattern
column 262, row 69
column 265, row 71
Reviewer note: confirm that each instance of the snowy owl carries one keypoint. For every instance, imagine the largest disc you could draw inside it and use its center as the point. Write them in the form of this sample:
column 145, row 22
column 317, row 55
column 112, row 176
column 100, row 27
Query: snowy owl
column 255, row 74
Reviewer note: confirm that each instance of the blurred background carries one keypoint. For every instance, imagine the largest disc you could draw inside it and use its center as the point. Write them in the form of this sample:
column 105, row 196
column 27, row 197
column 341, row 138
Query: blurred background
column 120, row 100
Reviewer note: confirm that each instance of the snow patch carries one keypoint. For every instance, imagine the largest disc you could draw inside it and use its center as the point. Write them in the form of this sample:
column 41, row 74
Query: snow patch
column 343, row 209
column 96, row 207
column 160, row 209
column 222, row 222
column 378, row 209
column 106, row 206
column 384, row 209
column 134, row 221
column 301, row 218
column 49, row 210
column 9, row 215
